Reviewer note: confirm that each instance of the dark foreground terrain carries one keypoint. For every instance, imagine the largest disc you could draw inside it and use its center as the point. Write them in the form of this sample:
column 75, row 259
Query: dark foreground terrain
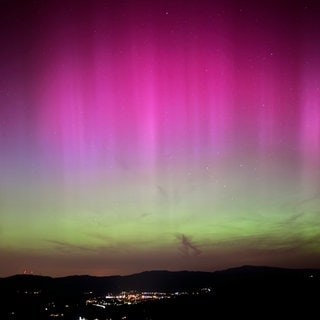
column 245, row 292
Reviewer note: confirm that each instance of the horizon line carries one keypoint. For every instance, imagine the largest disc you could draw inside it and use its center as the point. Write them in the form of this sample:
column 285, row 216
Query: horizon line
column 156, row 270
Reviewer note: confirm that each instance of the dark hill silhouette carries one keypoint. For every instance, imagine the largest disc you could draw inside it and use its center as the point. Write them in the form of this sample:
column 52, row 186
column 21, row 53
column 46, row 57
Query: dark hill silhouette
column 163, row 280
column 146, row 281
column 248, row 291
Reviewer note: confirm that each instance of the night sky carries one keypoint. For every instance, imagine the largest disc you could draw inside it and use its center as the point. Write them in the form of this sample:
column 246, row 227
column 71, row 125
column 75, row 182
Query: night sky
column 140, row 135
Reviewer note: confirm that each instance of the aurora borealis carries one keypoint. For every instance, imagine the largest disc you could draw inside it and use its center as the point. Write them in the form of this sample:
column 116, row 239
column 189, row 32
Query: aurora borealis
column 139, row 135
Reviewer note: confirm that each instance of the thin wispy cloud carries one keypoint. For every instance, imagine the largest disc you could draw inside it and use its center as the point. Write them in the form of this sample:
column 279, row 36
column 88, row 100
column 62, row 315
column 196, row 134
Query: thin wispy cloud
column 187, row 247
column 66, row 247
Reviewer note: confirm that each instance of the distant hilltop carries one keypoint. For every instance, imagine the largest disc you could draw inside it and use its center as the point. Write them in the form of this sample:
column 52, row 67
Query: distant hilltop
column 246, row 292
column 166, row 281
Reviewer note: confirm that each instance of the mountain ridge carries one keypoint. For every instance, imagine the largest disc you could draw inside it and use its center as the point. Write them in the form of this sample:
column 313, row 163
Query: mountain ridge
column 244, row 268
column 229, row 293
column 231, row 269
column 163, row 280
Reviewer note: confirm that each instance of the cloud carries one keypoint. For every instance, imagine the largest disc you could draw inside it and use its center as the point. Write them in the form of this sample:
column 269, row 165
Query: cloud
column 308, row 204
column 293, row 219
column 187, row 247
column 175, row 195
column 144, row 215
column 65, row 247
